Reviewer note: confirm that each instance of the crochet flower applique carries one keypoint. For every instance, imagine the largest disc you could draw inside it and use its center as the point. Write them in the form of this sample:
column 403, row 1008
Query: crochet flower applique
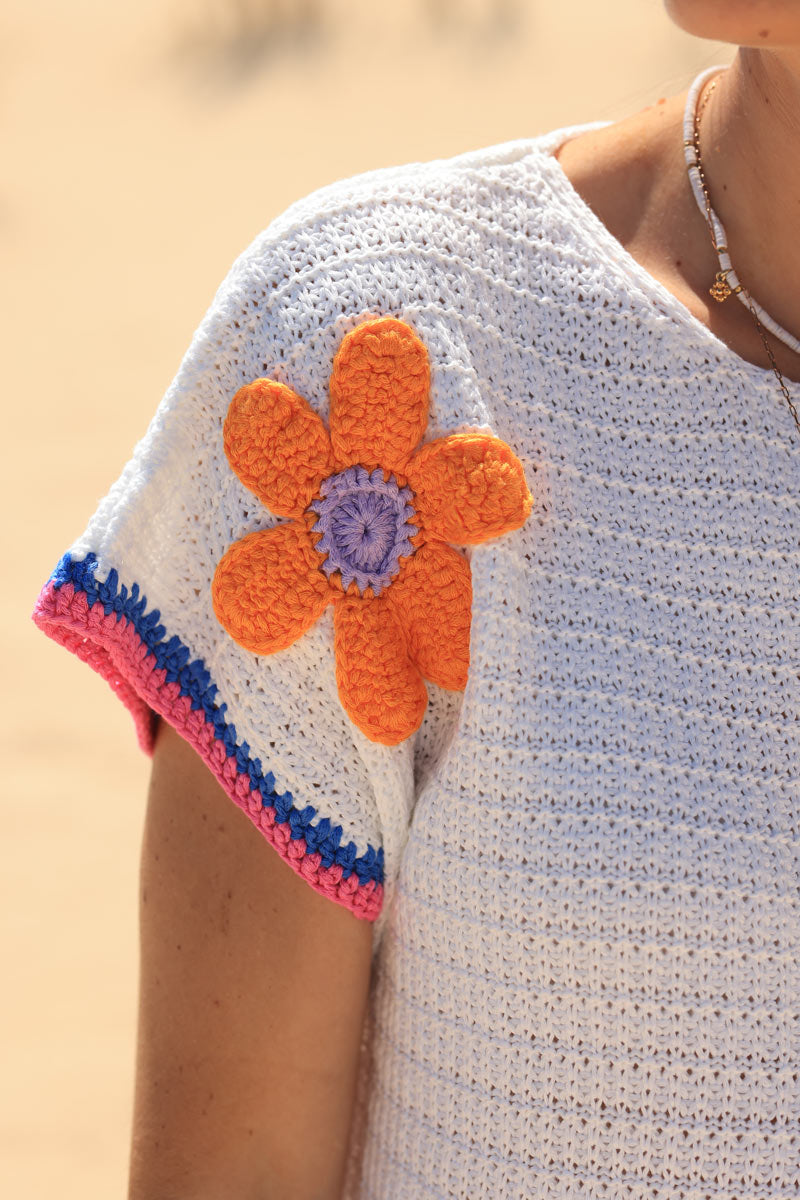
column 370, row 518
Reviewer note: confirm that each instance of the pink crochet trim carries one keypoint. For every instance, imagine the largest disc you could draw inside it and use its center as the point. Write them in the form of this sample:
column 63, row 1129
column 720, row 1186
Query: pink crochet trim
column 111, row 645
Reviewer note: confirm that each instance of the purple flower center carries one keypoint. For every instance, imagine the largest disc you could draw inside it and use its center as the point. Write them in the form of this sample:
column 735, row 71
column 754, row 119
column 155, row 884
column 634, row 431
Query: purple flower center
column 366, row 526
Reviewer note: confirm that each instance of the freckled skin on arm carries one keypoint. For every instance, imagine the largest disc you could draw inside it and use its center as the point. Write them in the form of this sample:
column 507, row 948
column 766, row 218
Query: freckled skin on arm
column 253, row 991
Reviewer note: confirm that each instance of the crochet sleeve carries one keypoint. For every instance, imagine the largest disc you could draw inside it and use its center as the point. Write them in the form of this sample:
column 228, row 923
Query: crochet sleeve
column 282, row 571
column 134, row 597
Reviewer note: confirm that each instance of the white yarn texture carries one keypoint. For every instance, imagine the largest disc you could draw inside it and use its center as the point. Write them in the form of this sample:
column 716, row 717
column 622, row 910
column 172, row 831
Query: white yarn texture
column 587, row 968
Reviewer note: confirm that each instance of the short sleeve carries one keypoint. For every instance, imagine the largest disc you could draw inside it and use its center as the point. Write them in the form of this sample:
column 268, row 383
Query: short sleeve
column 132, row 597
column 324, row 406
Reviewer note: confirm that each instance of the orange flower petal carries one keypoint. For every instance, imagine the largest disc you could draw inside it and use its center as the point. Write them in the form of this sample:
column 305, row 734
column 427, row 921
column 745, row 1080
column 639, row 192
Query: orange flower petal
column 379, row 395
column 432, row 600
column 267, row 590
column 469, row 487
column 277, row 445
column 380, row 688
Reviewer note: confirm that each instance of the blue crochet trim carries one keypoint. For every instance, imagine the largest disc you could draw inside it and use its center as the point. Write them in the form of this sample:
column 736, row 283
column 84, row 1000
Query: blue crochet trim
column 172, row 655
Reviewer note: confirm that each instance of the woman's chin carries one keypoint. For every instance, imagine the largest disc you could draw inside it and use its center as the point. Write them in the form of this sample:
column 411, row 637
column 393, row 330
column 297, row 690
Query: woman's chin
column 769, row 24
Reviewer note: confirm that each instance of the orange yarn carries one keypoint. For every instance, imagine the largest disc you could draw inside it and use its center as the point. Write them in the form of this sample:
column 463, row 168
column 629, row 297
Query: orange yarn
column 267, row 589
column 277, row 445
column 469, row 487
column 436, row 586
column 379, row 685
column 270, row 587
column 379, row 395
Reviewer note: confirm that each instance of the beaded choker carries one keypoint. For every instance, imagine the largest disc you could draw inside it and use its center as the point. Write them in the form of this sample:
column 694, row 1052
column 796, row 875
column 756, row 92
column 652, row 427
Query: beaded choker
column 727, row 282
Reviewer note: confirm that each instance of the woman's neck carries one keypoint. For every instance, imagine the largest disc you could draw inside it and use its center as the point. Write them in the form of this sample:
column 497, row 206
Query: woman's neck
column 750, row 145
column 633, row 175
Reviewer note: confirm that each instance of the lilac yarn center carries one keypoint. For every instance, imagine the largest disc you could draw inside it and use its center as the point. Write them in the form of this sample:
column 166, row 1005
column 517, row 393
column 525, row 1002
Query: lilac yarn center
column 366, row 523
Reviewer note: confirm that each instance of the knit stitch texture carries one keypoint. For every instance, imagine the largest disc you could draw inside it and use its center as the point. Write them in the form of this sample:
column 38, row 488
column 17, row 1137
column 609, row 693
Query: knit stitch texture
column 583, row 869
column 402, row 597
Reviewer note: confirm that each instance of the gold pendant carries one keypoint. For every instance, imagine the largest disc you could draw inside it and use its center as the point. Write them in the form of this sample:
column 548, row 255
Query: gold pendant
column 720, row 289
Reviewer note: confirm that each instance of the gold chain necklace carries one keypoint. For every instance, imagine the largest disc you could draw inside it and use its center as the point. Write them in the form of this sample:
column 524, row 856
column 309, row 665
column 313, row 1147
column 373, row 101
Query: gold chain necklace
column 721, row 289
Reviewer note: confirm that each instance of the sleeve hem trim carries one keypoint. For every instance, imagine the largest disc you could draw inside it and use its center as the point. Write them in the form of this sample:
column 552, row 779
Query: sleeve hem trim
column 107, row 626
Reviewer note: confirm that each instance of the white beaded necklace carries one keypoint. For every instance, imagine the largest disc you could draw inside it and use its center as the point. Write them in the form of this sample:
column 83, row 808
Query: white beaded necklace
column 727, row 281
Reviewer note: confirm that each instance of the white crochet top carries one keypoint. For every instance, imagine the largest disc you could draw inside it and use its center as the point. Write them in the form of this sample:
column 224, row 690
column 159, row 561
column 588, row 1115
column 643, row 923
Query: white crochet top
column 582, row 870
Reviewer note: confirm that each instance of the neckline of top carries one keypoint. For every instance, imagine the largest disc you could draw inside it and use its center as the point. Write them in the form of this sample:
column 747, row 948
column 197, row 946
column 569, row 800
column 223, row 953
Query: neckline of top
column 545, row 148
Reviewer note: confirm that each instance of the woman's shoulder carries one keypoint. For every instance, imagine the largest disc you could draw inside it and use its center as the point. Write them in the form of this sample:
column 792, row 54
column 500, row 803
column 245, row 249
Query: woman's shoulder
column 617, row 167
column 481, row 185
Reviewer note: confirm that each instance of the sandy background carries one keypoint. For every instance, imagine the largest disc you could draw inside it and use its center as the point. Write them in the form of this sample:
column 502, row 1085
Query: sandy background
column 144, row 146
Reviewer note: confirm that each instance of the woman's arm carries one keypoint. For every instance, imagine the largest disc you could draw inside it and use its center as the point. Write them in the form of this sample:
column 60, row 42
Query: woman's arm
column 253, row 990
